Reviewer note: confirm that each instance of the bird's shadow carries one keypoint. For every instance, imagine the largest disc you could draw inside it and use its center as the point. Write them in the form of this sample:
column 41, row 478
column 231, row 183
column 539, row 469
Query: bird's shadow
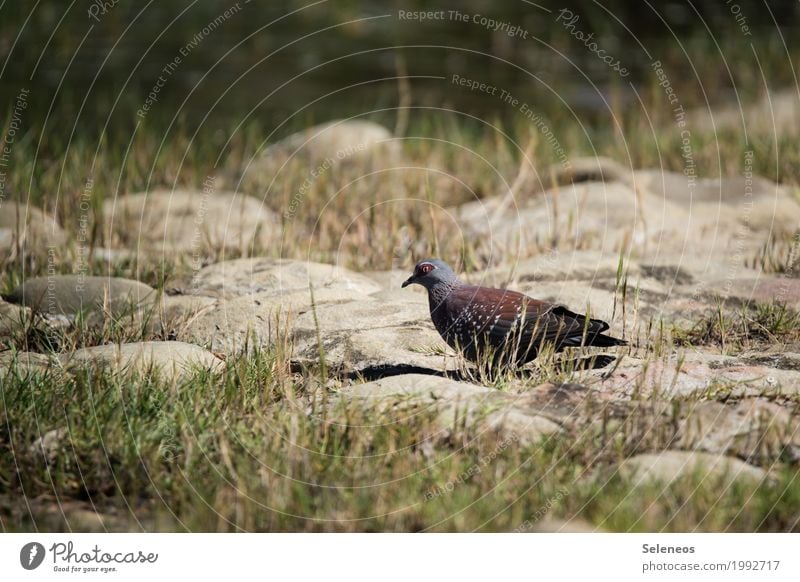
column 385, row 371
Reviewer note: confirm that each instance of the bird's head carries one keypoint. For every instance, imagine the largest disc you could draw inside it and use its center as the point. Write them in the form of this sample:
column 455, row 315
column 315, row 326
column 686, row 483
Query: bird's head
column 430, row 272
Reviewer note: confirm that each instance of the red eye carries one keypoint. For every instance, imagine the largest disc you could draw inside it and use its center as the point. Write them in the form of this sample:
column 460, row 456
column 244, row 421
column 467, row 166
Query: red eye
column 425, row 268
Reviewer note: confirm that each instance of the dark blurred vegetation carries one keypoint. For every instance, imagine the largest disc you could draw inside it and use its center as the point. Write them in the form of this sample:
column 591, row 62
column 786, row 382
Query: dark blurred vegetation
column 271, row 60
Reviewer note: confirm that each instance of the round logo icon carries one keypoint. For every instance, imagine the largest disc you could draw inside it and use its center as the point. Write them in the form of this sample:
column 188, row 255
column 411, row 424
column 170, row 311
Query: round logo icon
column 31, row 555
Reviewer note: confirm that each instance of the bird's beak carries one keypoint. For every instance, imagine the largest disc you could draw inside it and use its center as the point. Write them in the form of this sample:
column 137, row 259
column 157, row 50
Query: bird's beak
column 407, row 282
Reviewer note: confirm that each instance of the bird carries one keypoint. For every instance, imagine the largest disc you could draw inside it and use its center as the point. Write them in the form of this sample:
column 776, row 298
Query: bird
column 499, row 326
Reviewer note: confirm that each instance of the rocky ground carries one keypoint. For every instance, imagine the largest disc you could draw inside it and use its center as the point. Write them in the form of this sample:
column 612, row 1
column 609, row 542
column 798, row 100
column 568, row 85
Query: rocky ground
column 697, row 275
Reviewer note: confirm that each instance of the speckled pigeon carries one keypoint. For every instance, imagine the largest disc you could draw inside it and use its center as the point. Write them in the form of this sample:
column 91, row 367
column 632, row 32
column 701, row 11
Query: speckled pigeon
column 504, row 326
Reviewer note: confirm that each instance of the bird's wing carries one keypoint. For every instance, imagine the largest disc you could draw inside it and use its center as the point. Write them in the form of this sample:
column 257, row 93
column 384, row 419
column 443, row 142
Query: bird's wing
column 499, row 312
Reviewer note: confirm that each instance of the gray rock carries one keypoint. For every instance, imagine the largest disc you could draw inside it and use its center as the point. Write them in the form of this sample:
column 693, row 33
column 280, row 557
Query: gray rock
column 12, row 318
column 589, row 169
column 776, row 114
column 175, row 313
column 23, row 364
column 765, row 289
column 318, row 150
column 368, row 333
column 341, row 139
column 695, row 373
column 195, row 222
column 73, row 294
column 277, row 276
column 28, row 226
column 481, row 409
column 668, row 467
column 174, row 360
column 250, row 322
column 262, row 299
column 611, row 213
column 752, row 428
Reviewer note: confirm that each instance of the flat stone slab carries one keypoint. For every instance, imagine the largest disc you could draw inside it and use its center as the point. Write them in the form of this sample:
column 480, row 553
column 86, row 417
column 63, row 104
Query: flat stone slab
column 174, row 360
column 612, row 214
column 193, row 221
column 751, row 428
column 668, row 467
column 261, row 299
column 699, row 373
column 484, row 410
column 70, row 295
column 371, row 334
column 24, row 364
column 278, row 276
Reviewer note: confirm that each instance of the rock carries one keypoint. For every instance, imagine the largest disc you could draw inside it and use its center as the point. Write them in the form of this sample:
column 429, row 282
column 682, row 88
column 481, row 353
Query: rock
column 777, row 115
column 752, row 428
column 524, row 426
column 249, row 322
column 579, row 265
column 612, row 215
column 24, row 364
column 262, row 297
column 174, row 360
column 175, row 313
column 371, row 335
column 50, row 443
column 72, row 294
column 553, row 525
column 765, row 289
column 184, row 307
column 480, row 409
column 697, row 373
column 12, row 318
column 589, row 169
column 668, row 467
column 341, row 139
column 28, row 226
column 197, row 222
column 277, row 276
column 349, row 142
column 729, row 190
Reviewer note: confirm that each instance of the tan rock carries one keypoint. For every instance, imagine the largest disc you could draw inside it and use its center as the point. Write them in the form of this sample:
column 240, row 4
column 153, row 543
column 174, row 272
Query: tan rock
column 480, row 409
column 189, row 221
column 668, row 467
column 28, row 226
column 73, row 294
column 278, row 276
column 174, row 360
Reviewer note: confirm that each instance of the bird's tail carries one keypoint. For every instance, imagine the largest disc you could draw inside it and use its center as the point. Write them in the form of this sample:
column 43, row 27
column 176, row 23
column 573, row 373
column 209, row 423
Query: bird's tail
column 604, row 341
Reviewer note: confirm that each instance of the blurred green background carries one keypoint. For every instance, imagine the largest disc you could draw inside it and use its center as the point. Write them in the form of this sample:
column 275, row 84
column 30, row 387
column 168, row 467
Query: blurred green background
column 91, row 65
